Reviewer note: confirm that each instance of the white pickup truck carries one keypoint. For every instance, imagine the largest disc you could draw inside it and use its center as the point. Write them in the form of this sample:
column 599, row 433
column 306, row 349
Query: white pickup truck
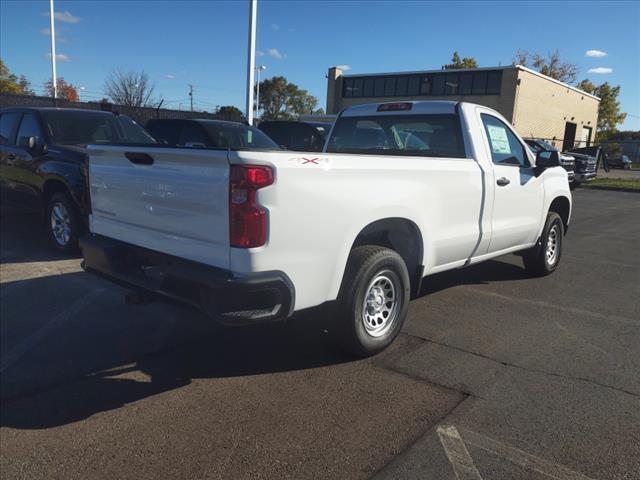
column 401, row 191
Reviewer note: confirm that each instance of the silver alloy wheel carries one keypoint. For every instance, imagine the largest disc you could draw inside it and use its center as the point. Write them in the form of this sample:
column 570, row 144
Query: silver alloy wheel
column 60, row 224
column 553, row 245
column 381, row 304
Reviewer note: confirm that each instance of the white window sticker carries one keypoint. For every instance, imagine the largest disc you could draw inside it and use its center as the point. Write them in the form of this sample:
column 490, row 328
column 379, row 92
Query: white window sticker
column 498, row 139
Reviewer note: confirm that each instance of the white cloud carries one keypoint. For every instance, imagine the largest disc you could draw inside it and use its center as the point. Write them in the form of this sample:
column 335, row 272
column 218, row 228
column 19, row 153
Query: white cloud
column 169, row 76
column 601, row 70
column 61, row 57
column 66, row 16
column 343, row 67
column 595, row 53
column 275, row 27
column 259, row 53
column 273, row 52
column 47, row 31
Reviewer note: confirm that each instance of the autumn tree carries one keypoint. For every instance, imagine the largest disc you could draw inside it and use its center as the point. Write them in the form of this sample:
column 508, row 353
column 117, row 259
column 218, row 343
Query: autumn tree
column 66, row 90
column 458, row 63
column 282, row 100
column 132, row 89
column 551, row 65
column 10, row 83
column 609, row 114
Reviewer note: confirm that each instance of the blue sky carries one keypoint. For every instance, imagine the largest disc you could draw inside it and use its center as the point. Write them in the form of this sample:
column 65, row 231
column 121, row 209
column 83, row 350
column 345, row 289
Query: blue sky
column 204, row 42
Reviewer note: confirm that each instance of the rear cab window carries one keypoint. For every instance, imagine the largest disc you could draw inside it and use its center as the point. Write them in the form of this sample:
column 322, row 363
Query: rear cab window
column 436, row 135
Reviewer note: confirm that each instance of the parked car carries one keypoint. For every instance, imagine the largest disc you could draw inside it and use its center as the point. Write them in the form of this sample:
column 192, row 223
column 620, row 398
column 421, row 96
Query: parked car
column 587, row 160
column 619, row 161
column 297, row 136
column 402, row 191
column 203, row 133
column 543, row 148
column 42, row 162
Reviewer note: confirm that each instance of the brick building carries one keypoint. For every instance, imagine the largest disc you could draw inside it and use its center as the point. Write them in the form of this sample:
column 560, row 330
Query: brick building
column 537, row 105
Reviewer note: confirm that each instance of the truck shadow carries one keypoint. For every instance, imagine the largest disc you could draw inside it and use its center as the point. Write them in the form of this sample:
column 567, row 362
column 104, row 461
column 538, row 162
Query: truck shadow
column 24, row 239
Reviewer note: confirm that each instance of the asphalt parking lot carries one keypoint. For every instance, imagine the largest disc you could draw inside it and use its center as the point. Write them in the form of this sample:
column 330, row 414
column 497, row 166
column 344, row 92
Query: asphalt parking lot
column 495, row 376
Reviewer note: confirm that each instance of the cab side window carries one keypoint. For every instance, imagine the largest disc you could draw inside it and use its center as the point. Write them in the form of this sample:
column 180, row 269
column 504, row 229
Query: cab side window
column 29, row 127
column 8, row 125
column 505, row 147
column 192, row 133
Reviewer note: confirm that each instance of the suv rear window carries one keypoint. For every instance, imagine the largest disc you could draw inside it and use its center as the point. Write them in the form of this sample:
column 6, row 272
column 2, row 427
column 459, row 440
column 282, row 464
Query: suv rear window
column 68, row 127
column 420, row 135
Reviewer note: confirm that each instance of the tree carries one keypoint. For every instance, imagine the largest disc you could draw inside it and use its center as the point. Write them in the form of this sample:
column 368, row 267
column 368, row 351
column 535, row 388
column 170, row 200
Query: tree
column 9, row 82
column 457, row 63
column 65, row 90
column 230, row 111
column 609, row 114
column 551, row 65
column 132, row 89
column 281, row 100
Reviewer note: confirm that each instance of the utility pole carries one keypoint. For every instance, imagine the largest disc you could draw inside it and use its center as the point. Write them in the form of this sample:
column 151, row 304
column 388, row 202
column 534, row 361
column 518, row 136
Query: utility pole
column 258, row 69
column 54, row 79
column 191, row 96
column 251, row 58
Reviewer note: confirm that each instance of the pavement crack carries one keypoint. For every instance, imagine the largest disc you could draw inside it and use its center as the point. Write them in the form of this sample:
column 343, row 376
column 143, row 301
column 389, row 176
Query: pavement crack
column 528, row 369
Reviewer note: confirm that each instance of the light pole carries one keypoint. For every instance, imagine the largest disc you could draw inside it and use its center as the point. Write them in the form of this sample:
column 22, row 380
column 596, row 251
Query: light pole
column 54, row 80
column 259, row 69
column 251, row 58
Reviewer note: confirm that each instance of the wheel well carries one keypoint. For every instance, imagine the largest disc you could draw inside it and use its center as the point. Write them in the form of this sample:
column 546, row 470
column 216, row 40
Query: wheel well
column 401, row 235
column 51, row 187
column 562, row 207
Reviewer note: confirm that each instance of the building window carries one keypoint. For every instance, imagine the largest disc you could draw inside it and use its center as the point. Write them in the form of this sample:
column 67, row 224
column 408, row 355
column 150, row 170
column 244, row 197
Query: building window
column 479, row 83
column 466, row 80
column 436, row 84
column 390, row 87
column 413, row 86
column 452, row 84
column 401, row 86
column 425, row 85
column 368, row 87
column 494, row 82
column 348, row 87
column 357, row 88
column 378, row 90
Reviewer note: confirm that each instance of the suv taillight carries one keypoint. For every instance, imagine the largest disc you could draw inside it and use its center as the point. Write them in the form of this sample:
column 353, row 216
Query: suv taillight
column 247, row 219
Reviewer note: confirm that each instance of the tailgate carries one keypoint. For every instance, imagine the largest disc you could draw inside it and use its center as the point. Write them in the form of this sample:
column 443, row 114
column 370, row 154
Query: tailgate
column 171, row 200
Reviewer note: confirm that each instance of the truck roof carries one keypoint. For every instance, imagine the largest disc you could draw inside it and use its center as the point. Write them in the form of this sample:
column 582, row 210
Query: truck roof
column 423, row 107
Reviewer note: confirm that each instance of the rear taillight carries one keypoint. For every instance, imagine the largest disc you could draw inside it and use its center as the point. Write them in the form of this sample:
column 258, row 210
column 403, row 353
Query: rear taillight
column 247, row 219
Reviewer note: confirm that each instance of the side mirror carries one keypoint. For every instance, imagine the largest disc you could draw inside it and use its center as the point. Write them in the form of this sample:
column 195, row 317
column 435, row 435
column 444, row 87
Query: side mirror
column 547, row 159
column 30, row 144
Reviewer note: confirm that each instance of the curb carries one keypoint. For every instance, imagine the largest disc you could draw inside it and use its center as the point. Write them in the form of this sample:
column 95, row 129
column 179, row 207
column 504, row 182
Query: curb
column 611, row 189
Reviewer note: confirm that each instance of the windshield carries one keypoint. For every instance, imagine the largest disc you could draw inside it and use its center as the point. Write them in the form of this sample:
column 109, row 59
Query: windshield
column 87, row 127
column 420, row 135
column 238, row 137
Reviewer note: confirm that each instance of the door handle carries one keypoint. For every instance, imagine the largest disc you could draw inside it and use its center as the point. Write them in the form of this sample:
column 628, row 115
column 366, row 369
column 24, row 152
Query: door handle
column 503, row 181
column 139, row 158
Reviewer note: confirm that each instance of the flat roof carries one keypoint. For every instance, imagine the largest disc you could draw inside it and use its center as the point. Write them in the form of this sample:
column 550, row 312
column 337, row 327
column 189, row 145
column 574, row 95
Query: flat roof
column 509, row 67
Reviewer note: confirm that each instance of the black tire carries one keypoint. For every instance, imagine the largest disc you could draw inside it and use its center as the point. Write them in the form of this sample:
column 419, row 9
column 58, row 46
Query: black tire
column 544, row 258
column 63, row 242
column 382, row 273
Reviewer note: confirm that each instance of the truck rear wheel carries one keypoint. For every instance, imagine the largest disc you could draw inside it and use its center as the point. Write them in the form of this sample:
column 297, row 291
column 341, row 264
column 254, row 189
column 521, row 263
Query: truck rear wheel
column 373, row 300
column 544, row 258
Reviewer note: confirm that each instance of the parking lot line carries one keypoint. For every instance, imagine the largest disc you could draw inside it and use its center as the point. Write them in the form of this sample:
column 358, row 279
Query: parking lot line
column 17, row 352
column 457, row 453
column 521, row 458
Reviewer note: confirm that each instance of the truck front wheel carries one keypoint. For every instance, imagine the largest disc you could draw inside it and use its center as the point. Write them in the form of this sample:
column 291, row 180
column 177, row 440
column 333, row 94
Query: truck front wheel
column 373, row 300
column 544, row 258
column 63, row 223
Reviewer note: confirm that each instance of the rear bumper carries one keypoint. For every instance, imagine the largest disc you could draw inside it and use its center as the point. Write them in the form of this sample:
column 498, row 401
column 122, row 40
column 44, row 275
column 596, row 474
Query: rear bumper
column 229, row 298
